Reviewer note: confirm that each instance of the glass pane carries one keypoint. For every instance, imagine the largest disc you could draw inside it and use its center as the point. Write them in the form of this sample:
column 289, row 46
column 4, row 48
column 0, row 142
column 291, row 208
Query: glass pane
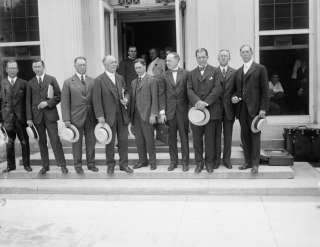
column 287, row 60
column 19, row 20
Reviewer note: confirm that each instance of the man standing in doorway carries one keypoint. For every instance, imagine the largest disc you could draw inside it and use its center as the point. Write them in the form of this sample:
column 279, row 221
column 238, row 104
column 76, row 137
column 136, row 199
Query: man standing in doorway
column 126, row 67
column 77, row 109
column 43, row 95
column 225, row 77
column 174, row 109
column 251, row 98
column 110, row 102
column 143, row 112
column 157, row 65
column 205, row 92
column 13, row 92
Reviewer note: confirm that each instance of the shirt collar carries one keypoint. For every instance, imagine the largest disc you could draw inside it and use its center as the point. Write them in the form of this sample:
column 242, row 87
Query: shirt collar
column 10, row 79
column 79, row 76
column 176, row 69
column 42, row 76
column 224, row 68
column 110, row 74
column 248, row 64
column 143, row 75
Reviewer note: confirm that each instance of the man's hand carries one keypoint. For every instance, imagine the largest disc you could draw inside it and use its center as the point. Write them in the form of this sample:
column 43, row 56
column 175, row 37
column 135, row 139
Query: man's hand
column 152, row 119
column 163, row 118
column 201, row 105
column 124, row 101
column 101, row 120
column 67, row 124
column 235, row 99
column 30, row 123
column 43, row 104
column 262, row 114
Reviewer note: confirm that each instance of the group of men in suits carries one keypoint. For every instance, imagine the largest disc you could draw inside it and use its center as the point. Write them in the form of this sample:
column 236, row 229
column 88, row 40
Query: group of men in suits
column 148, row 100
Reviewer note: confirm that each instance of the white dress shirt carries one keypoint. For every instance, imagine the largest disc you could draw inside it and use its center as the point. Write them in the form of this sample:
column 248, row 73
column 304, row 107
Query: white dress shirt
column 224, row 68
column 79, row 76
column 141, row 77
column 277, row 88
column 174, row 74
column 38, row 78
column 112, row 76
column 246, row 66
column 12, row 80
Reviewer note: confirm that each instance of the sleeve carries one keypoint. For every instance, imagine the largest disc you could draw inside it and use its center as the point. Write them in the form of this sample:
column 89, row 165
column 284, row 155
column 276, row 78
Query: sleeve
column 154, row 96
column 264, row 89
column 56, row 94
column 65, row 102
column 192, row 96
column 29, row 101
column 162, row 94
column 97, row 99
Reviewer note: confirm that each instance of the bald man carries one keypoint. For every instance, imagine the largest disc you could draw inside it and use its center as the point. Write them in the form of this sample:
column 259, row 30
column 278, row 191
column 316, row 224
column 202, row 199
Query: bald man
column 110, row 100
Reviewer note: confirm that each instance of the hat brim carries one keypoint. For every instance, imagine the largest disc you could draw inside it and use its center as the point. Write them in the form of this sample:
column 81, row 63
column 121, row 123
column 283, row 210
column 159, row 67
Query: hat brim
column 257, row 123
column 5, row 135
column 32, row 132
column 76, row 134
column 107, row 128
column 204, row 121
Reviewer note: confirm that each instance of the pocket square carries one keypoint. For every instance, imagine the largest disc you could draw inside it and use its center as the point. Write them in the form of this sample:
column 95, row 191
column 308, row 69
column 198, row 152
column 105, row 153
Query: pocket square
column 210, row 78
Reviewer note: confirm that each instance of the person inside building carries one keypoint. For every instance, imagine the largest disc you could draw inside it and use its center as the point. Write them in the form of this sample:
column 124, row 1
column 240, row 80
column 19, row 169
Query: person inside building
column 276, row 94
column 157, row 65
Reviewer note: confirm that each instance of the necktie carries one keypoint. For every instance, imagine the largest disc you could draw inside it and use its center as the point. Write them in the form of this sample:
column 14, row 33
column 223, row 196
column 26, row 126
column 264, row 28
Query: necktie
column 84, row 84
column 224, row 72
column 40, row 81
column 12, row 82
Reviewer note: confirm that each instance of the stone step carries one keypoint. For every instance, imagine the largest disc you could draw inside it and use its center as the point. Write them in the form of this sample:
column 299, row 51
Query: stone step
column 265, row 172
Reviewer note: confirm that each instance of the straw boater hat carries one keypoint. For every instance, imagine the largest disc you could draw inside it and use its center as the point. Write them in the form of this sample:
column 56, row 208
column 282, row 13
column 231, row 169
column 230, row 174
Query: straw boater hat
column 199, row 117
column 32, row 132
column 258, row 124
column 103, row 133
column 70, row 134
column 3, row 136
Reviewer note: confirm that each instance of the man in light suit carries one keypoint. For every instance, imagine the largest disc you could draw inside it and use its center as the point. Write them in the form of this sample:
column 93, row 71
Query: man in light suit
column 205, row 92
column 174, row 109
column 13, row 115
column 157, row 65
column 110, row 102
column 42, row 112
column 251, row 98
column 225, row 78
column 77, row 109
column 143, row 112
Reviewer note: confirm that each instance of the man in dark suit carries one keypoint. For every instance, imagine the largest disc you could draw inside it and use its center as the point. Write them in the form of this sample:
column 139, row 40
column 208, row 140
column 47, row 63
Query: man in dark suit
column 143, row 112
column 13, row 115
column 110, row 100
column 225, row 77
column 174, row 109
column 126, row 67
column 77, row 109
column 251, row 98
column 205, row 92
column 43, row 95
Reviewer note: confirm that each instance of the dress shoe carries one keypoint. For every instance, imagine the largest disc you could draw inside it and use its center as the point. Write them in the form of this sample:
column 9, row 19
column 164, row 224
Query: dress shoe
column 93, row 168
column 185, row 167
column 110, row 170
column 64, row 169
column 227, row 165
column 153, row 167
column 198, row 168
column 209, row 168
column 172, row 167
column 126, row 169
column 79, row 170
column 28, row 168
column 216, row 164
column 8, row 170
column 139, row 165
column 245, row 167
column 43, row 170
column 255, row 170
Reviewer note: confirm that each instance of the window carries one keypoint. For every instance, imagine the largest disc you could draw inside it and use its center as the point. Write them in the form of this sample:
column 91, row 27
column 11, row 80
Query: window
column 19, row 34
column 284, row 50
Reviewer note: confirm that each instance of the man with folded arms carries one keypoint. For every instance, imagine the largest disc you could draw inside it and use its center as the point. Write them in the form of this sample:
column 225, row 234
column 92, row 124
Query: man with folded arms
column 77, row 109
column 143, row 112
column 110, row 102
column 43, row 95
column 174, row 103
column 13, row 115
column 205, row 92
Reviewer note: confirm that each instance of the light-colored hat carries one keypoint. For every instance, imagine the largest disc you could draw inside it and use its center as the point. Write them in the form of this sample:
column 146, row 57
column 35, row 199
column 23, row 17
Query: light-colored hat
column 103, row 133
column 3, row 136
column 258, row 124
column 32, row 132
column 199, row 117
column 70, row 134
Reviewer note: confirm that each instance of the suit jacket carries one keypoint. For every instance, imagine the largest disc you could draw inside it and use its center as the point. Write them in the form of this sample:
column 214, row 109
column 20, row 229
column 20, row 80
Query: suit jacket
column 227, row 84
column 13, row 102
column 255, row 89
column 173, row 96
column 144, row 98
column 76, row 100
column 37, row 93
column 206, row 88
column 106, row 98
column 126, row 69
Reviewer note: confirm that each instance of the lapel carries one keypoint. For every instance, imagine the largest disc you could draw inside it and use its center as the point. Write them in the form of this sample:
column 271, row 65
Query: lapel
column 229, row 73
column 118, row 87
column 249, row 72
column 135, row 85
column 16, row 86
column 77, row 83
column 35, row 83
column 179, row 77
column 169, row 76
column 44, row 85
column 110, row 84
